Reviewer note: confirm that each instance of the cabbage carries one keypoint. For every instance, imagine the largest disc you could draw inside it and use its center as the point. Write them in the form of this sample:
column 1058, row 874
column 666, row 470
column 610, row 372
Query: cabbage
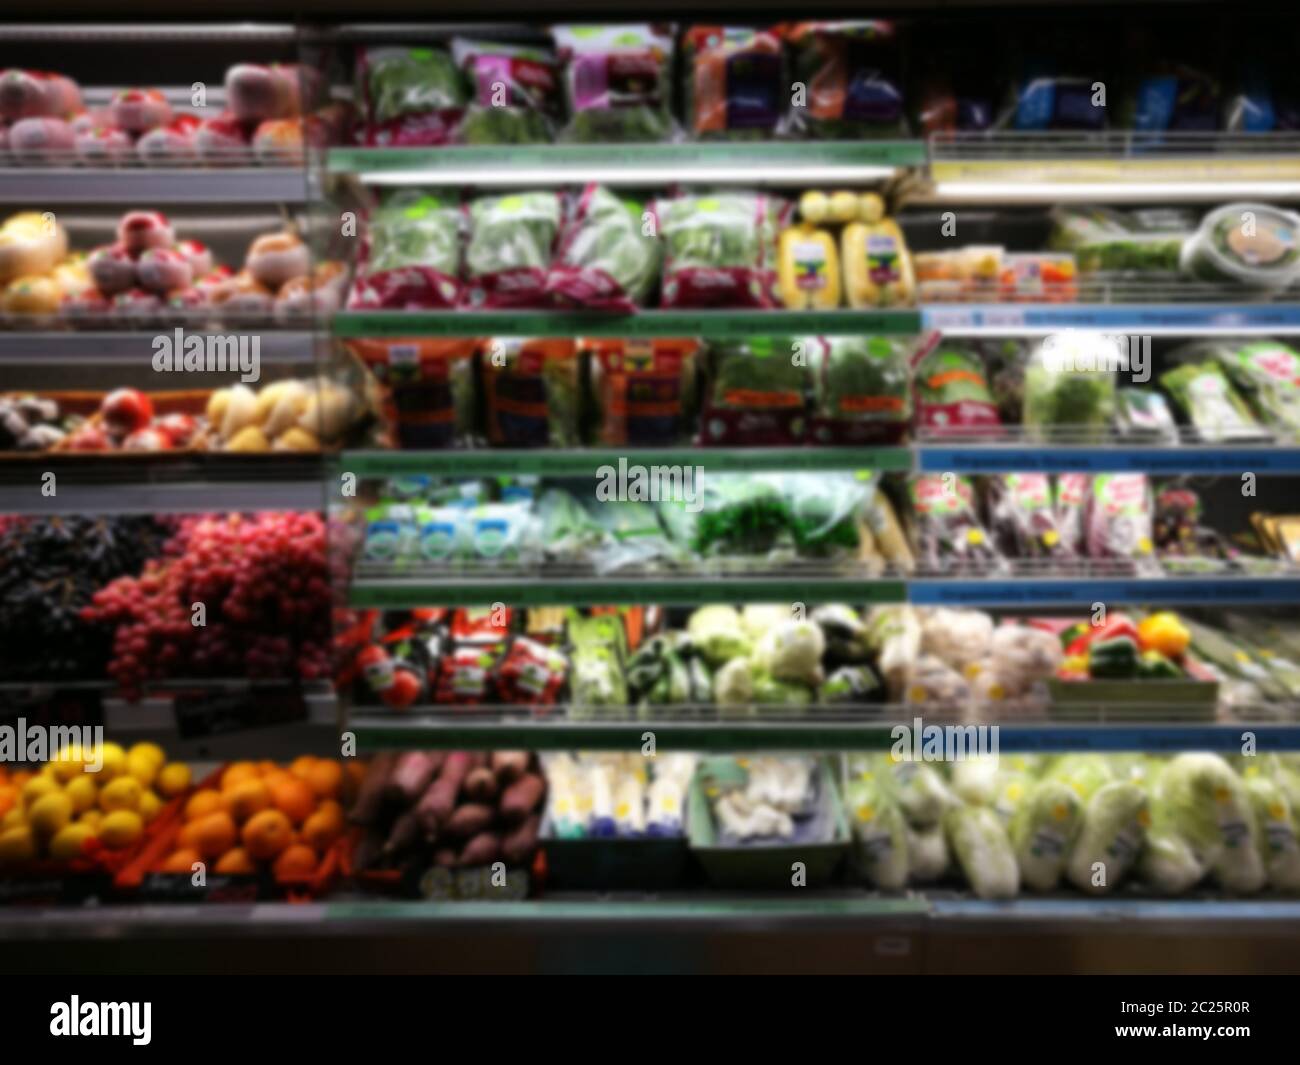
column 1168, row 864
column 716, row 631
column 1113, row 828
column 1275, row 827
column 1207, row 804
column 975, row 780
column 1043, row 829
column 757, row 618
column 775, row 692
column 983, row 851
column 1085, row 773
column 793, row 652
column 927, row 854
column 1010, row 787
column 879, row 834
column 733, row 684
column 920, row 791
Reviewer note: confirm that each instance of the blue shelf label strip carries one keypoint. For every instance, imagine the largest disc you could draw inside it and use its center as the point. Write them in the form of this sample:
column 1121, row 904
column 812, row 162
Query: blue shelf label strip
column 984, row 592
column 1112, row 738
column 1018, row 459
column 1127, row 317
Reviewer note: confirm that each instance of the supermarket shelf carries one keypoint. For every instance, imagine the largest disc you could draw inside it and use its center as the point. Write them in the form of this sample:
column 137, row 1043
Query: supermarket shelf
column 586, row 462
column 1116, row 457
column 161, row 483
column 731, row 324
column 135, row 347
column 1112, row 166
column 776, row 163
column 141, row 33
column 809, row 730
column 133, row 185
column 994, row 591
column 668, row 589
column 1149, row 319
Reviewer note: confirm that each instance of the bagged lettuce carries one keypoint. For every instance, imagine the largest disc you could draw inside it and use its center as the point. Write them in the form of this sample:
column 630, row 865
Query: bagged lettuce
column 983, row 851
column 409, row 96
column 880, row 834
column 1108, row 846
column 509, row 250
column 720, row 248
column 1268, row 374
column 604, row 259
column 618, row 82
column 410, row 256
column 952, row 393
column 515, row 95
column 735, row 83
column 1043, row 830
column 1070, row 388
column 1207, row 398
column 1276, row 830
column 851, row 70
column 1209, row 806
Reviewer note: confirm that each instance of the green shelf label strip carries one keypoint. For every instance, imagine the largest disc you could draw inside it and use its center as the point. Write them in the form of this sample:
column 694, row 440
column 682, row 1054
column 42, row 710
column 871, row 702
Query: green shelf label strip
column 579, row 159
column 588, row 463
column 685, row 590
column 731, row 324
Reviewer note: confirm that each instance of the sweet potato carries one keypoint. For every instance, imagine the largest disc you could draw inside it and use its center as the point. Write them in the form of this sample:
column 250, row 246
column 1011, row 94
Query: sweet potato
column 468, row 820
column 370, row 798
column 480, row 785
column 413, row 773
column 424, row 812
column 441, row 795
column 483, row 849
column 509, row 766
column 518, row 846
column 403, row 834
column 521, row 798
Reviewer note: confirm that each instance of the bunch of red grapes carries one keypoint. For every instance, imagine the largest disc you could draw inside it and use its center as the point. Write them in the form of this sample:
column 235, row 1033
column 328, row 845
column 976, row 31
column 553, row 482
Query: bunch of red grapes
column 264, row 589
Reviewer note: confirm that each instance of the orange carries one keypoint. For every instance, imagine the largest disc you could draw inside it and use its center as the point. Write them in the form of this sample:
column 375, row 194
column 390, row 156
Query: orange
column 297, row 860
column 354, row 774
column 237, row 773
column 301, row 766
column 292, row 798
column 188, row 837
column 235, row 860
column 4, row 774
column 181, row 861
column 266, row 834
column 325, row 778
column 203, row 802
column 244, row 800
column 320, row 830
column 21, row 777
column 214, row 834
column 266, row 766
column 8, row 798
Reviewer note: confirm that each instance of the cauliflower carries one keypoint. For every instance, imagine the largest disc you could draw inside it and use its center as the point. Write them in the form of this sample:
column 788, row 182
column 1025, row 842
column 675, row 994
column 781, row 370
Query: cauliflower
column 716, row 631
column 956, row 637
column 792, row 651
column 733, row 684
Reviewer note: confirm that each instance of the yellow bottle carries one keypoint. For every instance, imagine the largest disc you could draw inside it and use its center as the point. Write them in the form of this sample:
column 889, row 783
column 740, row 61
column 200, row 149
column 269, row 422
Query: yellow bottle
column 808, row 273
column 877, row 264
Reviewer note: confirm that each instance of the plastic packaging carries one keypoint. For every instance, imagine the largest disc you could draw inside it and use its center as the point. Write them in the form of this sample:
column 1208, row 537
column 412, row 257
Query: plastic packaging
column 618, row 82
column 1070, row 388
column 851, row 73
column 949, row 535
column 952, row 393
column 735, row 82
column 644, row 391
column 756, row 391
column 509, row 252
column 1252, row 244
column 410, row 259
column 604, row 260
column 410, row 96
column 530, row 392
column 516, row 95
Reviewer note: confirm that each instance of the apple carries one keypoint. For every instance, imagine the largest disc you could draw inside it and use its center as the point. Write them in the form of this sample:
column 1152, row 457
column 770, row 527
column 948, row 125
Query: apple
column 220, row 138
column 103, row 144
column 172, row 142
column 126, row 410
column 41, row 140
column 150, row 439
column 111, row 269
column 162, row 270
column 178, row 428
column 21, row 95
column 198, row 255
column 88, row 438
column 139, row 110
column 137, row 305
column 141, row 230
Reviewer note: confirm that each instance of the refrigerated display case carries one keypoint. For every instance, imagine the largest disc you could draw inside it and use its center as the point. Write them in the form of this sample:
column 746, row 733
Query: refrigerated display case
column 627, row 468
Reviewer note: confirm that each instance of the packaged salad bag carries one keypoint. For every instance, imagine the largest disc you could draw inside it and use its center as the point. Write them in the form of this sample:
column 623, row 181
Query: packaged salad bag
column 530, row 392
column 512, row 238
column 606, row 259
column 409, row 96
column 756, row 391
column 426, row 388
column 410, row 255
column 643, row 391
column 851, row 72
column 618, row 82
column 861, row 390
column 515, row 92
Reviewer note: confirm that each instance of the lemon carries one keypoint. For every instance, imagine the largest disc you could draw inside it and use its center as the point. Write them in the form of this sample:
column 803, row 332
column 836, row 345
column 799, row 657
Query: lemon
column 142, row 767
column 15, row 818
column 150, row 806
column 113, row 761
column 17, row 845
column 68, row 763
column 120, row 794
column 93, row 818
column 173, row 779
column 68, row 843
column 82, row 791
column 120, row 829
column 50, row 813
column 843, row 206
column 147, row 751
column 814, row 206
column 38, row 787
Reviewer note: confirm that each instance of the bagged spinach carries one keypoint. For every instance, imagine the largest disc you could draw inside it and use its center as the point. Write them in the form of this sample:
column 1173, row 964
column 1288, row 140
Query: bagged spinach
column 1268, row 374
column 1070, row 388
column 410, row 96
column 516, row 92
column 605, row 260
column 1207, row 398
column 756, row 391
column 720, row 248
column 618, row 82
column 735, row 84
column 509, row 251
column 861, row 390
column 851, row 71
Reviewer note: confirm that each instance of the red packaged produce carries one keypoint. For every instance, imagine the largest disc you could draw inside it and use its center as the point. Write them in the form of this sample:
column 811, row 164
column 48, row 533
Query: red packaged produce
column 644, row 390
column 530, row 673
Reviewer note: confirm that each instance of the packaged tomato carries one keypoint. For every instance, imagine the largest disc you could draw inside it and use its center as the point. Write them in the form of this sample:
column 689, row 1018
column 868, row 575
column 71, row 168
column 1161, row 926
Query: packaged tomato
column 644, row 390
column 530, row 672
